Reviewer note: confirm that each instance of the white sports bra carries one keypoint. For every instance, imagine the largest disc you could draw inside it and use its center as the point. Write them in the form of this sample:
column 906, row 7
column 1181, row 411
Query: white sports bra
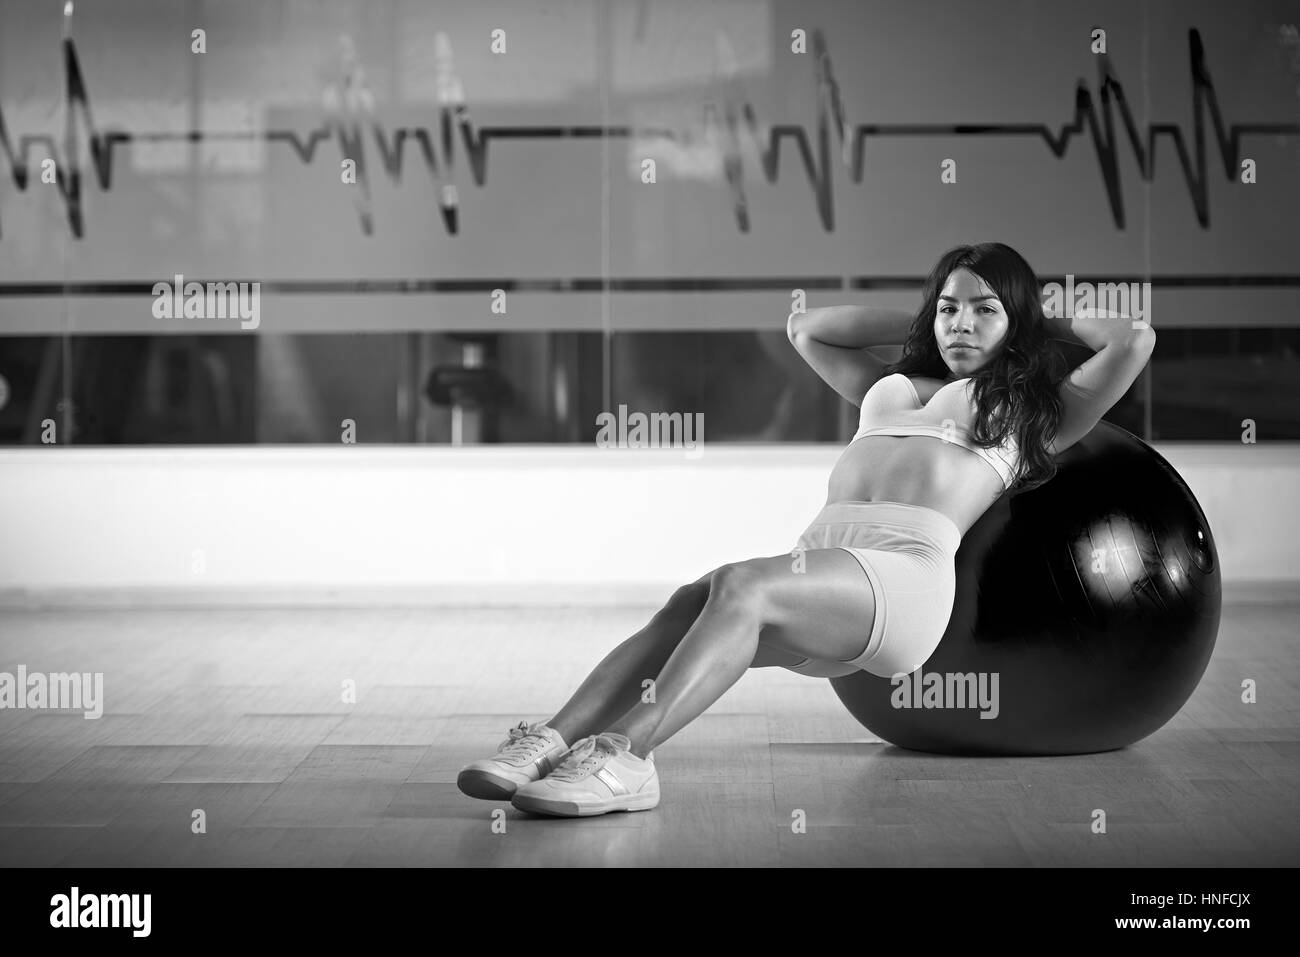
column 893, row 407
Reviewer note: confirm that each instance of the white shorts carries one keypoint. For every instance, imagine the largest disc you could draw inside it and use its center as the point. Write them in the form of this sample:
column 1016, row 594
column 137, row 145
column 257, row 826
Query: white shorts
column 908, row 553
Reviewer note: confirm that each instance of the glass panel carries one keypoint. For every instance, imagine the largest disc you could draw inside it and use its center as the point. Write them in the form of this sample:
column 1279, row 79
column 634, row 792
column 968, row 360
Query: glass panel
column 750, row 387
column 1208, row 382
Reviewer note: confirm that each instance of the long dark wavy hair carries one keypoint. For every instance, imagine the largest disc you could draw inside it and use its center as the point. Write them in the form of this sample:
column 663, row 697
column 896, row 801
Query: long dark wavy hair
column 1015, row 393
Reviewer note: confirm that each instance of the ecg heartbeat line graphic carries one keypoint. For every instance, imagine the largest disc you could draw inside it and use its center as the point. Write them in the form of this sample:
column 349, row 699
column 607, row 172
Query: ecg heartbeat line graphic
column 1096, row 120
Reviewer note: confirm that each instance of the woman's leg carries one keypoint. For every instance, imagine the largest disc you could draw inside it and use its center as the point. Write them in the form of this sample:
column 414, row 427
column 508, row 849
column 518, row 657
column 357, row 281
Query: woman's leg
column 824, row 612
column 616, row 683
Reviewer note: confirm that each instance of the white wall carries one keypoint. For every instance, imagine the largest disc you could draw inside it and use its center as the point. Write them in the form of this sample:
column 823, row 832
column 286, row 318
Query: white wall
column 495, row 524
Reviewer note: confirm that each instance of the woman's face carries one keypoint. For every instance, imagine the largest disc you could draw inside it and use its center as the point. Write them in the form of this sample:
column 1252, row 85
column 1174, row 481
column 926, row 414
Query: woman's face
column 970, row 323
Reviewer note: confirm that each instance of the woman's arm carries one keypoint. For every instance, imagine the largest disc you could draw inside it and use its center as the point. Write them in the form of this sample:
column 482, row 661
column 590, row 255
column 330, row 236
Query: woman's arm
column 853, row 327
column 1092, row 388
column 833, row 341
column 1094, row 328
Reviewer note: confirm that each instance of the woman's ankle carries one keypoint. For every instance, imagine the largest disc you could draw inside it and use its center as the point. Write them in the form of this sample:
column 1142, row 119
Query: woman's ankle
column 565, row 729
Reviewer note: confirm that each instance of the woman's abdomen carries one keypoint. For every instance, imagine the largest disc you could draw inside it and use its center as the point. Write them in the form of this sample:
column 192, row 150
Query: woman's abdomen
column 917, row 470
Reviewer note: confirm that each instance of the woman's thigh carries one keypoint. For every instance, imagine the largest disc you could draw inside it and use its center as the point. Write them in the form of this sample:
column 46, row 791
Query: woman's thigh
column 689, row 601
column 769, row 656
column 822, row 607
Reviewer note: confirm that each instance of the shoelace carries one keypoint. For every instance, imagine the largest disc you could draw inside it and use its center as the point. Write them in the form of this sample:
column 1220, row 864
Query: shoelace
column 518, row 744
column 585, row 756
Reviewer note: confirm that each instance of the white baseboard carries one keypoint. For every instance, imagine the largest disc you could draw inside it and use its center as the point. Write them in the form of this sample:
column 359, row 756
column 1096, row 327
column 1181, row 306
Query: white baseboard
column 343, row 596
column 1258, row 592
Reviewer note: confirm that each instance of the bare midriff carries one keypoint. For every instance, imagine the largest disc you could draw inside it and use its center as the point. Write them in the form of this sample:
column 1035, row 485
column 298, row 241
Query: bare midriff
column 916, row 470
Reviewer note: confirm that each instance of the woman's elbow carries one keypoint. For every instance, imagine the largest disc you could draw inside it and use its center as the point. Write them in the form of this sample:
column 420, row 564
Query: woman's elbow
column 796, row 324
column 793, row 325
column 1143, row 337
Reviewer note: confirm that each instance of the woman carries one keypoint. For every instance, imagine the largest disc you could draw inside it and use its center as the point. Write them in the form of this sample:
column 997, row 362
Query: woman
column 974, row 406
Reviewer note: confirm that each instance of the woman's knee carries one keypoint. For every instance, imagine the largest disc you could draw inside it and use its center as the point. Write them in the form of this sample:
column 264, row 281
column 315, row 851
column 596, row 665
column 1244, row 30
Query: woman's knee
column 688, row 600
column 739, row 586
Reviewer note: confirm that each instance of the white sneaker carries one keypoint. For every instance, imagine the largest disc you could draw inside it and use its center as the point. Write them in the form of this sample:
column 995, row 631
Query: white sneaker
column 529, row 753
column 599, row 775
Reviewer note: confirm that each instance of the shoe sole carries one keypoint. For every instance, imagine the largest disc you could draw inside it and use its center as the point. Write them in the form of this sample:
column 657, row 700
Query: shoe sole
column 555, row 808
column 485, row 785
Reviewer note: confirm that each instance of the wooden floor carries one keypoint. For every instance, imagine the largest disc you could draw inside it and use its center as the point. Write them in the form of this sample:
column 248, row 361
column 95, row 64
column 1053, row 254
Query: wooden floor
column 238, row 712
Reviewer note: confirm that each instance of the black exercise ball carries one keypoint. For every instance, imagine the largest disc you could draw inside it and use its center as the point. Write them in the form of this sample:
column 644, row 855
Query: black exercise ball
column 1094, row 599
